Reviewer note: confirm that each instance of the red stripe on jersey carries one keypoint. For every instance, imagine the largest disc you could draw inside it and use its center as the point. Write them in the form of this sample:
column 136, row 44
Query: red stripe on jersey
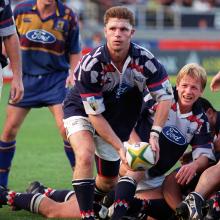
column 157, row 83
column 90, row 94
column 137, row 67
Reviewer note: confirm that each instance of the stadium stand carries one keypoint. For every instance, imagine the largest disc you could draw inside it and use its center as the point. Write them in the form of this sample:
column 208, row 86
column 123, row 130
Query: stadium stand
column 176, row 31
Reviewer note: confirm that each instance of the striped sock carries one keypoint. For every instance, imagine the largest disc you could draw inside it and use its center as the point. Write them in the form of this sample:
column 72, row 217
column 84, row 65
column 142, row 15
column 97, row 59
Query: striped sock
column 124, row 194
column 84, row 189
column 7, row 150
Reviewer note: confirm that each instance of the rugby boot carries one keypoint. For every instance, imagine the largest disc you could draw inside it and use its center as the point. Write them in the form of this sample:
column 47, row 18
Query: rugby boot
column 36, row 187
column 101, row 212
column 3, row 196
column 191, row 208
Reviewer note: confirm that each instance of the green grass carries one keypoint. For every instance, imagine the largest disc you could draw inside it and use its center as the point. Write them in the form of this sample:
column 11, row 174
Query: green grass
column 40, row 155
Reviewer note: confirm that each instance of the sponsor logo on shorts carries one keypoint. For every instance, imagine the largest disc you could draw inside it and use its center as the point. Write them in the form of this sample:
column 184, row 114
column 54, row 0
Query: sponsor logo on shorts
column 174, row 135
column 41, row 36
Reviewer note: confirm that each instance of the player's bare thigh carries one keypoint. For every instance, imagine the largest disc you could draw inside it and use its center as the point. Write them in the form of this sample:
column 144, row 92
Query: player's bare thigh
column 150, row 194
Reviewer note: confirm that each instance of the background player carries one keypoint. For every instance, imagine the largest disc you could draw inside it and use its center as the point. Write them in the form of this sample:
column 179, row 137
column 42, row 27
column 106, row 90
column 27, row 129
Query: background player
column 49, row 38
column 11, row 43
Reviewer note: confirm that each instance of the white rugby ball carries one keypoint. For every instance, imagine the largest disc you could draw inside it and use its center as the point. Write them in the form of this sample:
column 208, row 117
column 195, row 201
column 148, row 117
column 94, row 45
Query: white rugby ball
column 140, row 156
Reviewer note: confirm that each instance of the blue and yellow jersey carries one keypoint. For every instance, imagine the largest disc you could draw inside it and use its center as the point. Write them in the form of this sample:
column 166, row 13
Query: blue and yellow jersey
column 46, row 43
column 7, row 26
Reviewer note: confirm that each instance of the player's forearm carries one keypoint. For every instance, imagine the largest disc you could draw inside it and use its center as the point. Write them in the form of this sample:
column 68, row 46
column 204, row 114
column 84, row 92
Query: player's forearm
column 12, row 47
column 74, row 60
column 201, row 163
column 105, row 131
column 162, row 113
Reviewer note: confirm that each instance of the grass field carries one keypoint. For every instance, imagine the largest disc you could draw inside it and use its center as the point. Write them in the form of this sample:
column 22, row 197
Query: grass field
column 40, row 155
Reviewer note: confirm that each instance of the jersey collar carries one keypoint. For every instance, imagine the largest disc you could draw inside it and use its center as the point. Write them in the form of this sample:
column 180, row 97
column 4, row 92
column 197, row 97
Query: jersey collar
column 60, row 10
column 133, row 52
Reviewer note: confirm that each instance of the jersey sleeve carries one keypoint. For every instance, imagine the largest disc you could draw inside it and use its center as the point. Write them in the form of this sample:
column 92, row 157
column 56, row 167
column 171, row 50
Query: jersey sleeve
column 74, row 35
column 88, row 83
column 7, row 26
column 158, row 82
column 202, row 142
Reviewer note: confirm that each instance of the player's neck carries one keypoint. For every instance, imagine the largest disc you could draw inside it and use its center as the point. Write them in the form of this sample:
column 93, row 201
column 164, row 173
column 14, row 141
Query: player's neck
column 118, row 58
column 46, row 10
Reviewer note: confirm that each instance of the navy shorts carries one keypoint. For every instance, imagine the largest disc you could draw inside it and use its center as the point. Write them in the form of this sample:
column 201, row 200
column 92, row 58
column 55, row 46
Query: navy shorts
column 107, row 168
column 43, row 90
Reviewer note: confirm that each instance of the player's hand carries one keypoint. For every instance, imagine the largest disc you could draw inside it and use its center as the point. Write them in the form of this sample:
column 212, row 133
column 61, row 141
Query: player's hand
column 122, row 154
column 154, row 142
column 17, row 90
column 186, row 173
column 215, row 83
column 70, row 80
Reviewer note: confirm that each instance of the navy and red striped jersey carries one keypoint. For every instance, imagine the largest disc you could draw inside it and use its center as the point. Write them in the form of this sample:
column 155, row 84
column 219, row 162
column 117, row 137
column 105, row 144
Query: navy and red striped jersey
column 179, row 131
column 100, row 88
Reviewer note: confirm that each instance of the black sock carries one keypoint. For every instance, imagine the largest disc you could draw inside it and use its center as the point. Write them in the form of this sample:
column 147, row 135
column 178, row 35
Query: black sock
column 159, row 209
column 98, row 194
column 138, row 207
column 109, row 198
column 26, row 201
column 84, row 189
column 60, row 195
column 124, row 194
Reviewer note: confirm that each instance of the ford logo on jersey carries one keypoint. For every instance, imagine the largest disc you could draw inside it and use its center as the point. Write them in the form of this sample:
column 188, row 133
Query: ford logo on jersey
column 174, row 135
column 41, row 36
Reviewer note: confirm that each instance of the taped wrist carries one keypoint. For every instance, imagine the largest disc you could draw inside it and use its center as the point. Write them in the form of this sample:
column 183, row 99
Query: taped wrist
column 155, row 131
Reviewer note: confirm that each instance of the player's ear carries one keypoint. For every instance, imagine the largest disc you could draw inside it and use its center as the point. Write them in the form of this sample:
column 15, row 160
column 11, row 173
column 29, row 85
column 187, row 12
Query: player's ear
column 105, row 31
column 209, row 112
column 132, row 32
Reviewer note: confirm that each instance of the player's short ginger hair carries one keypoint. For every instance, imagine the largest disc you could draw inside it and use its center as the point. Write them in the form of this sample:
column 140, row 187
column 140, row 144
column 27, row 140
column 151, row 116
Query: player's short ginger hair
column 193, row 70
column 119, row 12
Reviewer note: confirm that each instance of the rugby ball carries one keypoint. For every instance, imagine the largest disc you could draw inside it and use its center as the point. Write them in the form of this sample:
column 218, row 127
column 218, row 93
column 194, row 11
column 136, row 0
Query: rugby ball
column 140, row 156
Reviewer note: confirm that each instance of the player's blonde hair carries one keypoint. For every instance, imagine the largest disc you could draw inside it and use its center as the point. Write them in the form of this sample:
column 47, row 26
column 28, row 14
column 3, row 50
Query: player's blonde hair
column 119, row 12
column 193, row 70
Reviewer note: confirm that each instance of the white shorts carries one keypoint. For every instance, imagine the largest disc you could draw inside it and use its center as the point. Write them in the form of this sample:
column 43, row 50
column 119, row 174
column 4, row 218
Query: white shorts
column 150, row 182
column 104, row 150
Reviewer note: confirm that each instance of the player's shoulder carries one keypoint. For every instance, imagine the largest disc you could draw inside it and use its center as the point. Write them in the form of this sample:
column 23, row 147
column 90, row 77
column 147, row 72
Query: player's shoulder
column 66, row 10
column 138, row 50
column 24, row 6
column 98, row 53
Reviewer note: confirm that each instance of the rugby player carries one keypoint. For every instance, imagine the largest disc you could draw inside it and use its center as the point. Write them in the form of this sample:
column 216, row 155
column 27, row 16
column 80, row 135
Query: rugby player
column 9, row 38
column 103, row 106
column 187, row 124
column 49, row 38
column 193, row 206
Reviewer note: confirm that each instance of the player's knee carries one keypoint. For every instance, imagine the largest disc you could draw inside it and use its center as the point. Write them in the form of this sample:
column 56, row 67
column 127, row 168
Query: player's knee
column 84, row 160
column 9, row 134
